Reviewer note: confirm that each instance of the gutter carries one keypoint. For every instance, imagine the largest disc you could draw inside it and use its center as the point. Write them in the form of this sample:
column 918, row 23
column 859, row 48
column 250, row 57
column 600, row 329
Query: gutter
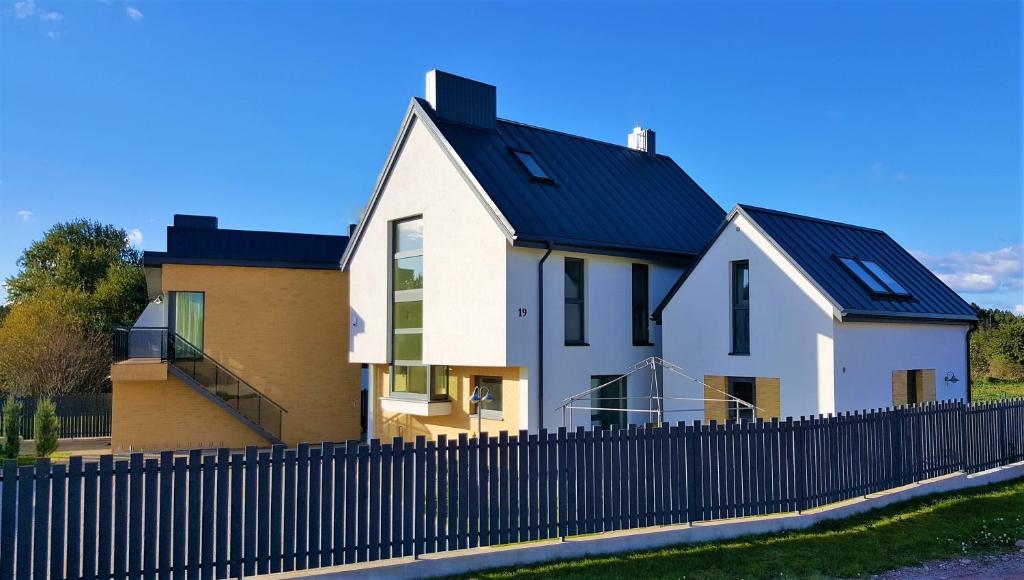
column 540, row 339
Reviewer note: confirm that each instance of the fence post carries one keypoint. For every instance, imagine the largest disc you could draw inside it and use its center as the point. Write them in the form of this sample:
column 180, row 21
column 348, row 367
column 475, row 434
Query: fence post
column 800, row 467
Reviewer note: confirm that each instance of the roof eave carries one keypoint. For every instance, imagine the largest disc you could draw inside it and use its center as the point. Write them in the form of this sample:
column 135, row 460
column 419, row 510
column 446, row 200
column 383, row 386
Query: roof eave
column 416, row 112
column 606, row 249
column 912, row 317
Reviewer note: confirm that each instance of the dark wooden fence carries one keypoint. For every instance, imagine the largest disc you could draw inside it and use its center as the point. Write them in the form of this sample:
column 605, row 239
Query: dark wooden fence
column 218, row 513
column 81, row 415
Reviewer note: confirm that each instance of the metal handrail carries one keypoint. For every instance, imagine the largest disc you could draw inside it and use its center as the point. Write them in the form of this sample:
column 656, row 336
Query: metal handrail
column 174, row 336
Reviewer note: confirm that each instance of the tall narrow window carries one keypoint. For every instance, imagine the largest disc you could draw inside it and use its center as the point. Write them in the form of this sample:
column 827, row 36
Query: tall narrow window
column 574, row 301
column 608, row 403
column 410, row 377
column 641, row 307
column 488, row 409
column 740, row 308
column 188, row 324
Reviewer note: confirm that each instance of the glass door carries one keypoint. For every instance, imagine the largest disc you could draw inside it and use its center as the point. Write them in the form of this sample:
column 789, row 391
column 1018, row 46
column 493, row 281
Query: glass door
column 609, row 402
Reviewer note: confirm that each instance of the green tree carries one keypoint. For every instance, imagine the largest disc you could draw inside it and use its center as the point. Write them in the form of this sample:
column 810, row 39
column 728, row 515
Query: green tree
column 47, row 347
column 46, row 428
column 89, row 257
column 12, row 428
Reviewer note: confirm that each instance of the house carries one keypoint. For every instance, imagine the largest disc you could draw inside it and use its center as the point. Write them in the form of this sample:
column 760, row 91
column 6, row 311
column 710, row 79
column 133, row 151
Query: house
column 511, row 260
column 801, row 316
column 243, row 343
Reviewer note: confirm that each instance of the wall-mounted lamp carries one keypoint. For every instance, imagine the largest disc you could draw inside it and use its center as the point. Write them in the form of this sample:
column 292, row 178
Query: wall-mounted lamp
column 950, row 378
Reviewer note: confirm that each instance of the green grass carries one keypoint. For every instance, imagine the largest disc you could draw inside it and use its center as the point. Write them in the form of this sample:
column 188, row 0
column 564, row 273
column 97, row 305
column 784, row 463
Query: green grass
column 995, row 390
column 981, row 521
column 55, row 457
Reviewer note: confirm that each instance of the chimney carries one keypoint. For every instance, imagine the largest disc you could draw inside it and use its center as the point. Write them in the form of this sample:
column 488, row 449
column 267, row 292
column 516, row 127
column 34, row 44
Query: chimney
column 462, row 100
column 197, row 222
column 642, row 140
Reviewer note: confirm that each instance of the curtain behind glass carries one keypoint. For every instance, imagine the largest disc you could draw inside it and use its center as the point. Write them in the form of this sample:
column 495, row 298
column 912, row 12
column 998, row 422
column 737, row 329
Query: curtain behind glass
column 188, row 320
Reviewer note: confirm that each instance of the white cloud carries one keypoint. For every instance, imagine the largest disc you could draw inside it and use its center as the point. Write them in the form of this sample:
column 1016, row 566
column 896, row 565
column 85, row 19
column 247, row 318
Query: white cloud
column 25, row 215
column 135, row 237
column 51, row 16
column 998, row 270
column 1019, row 309
column 54, row 34
column 24, row 9
column 134, row 13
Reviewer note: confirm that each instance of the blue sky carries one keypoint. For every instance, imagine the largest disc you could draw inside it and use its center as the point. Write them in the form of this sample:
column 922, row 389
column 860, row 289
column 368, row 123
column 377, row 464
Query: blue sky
column 278, row 116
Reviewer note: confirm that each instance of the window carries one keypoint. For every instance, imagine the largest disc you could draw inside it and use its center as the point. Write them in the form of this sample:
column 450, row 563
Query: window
column 410, row 377
column 641, row 313
column 531, row 166
column 740, row 308
column 491, row 409
column 743, row 389
column 188, row 319
column 609, row 402
column 875, row 278
column 574, row 302
column 913, row 386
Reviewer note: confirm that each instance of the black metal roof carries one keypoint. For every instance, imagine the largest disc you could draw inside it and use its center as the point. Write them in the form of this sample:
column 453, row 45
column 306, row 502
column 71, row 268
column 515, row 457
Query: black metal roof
column 814, row 245
column 600, row 195
column 198, row 240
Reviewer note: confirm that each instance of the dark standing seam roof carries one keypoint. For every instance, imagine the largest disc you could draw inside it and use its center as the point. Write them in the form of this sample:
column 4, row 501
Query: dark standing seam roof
column 814, row 244
column 186, row 245
column 603, row 194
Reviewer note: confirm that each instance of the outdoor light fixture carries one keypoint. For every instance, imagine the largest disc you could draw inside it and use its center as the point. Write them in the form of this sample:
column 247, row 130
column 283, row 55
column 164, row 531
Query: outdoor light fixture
column 159, row 299
column 481, row 394
column 950, row 378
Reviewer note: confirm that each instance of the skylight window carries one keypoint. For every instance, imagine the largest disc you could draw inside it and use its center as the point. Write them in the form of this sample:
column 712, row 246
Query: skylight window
column 874, row 277
column 531, row 166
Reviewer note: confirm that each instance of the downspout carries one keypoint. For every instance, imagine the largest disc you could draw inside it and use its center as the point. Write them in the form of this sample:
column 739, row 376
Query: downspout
column 967, row 348
column 540, row 339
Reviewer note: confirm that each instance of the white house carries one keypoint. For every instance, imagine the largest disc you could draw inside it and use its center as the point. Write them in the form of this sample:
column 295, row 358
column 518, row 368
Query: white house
column 801, row 316
column 521, row 260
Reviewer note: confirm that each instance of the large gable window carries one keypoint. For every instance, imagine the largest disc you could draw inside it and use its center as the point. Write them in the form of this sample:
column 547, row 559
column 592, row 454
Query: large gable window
column 410, row 377
column 874, row 278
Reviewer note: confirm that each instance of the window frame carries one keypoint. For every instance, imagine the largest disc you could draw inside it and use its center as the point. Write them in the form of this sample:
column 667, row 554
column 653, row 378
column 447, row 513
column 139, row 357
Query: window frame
column 607, row 380
column 581, row 301
column 475, row 409
column 887, row 292
column 736, row 305
column 641, row 305
column 519, row 155
column 733, row 411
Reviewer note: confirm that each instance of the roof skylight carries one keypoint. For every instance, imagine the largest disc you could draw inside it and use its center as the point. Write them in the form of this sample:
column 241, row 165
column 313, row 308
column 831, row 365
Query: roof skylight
column 531, row 166
column 874, row 277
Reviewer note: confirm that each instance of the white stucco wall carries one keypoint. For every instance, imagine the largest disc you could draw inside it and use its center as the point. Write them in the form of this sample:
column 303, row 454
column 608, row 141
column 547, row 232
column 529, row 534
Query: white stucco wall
column 791, row 325
column 868, row 352
column 463, row 259
column 608, row 303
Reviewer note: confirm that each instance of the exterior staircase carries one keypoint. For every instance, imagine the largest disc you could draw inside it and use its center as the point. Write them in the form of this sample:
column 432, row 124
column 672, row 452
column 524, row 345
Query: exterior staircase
column 208, row 377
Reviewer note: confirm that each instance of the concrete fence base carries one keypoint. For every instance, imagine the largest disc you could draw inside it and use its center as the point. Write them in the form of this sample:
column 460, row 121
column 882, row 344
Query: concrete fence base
column 465, row 561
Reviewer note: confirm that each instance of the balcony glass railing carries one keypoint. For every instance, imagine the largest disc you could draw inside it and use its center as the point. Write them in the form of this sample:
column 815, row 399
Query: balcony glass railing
column 152, row 342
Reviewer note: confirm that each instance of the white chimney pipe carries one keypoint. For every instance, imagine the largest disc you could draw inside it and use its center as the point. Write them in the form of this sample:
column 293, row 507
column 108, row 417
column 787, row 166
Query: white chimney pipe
column 642, row 140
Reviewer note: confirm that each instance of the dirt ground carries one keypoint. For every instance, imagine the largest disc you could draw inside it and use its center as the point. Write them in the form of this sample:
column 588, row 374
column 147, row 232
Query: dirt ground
column 91, row 447
column 983, row 568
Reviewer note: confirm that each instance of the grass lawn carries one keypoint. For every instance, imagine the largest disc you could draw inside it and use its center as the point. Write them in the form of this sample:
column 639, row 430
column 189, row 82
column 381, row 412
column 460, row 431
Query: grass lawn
column 996, row 390
column 980, row 521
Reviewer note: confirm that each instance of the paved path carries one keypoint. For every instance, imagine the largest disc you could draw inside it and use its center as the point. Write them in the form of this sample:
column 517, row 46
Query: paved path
column 983, row 568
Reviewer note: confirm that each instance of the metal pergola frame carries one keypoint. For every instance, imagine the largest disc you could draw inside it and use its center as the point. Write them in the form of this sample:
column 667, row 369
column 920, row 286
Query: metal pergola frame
column 656, row 398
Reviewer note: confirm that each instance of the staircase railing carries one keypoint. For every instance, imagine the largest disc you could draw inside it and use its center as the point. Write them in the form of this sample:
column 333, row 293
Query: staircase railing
column 204, row 370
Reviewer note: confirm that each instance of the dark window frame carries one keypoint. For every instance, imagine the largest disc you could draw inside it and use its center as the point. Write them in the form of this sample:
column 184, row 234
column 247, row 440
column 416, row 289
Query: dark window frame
column 580, row 300
column 641, row 305
column 623, row 413
column 737, row 306
column 734, row 410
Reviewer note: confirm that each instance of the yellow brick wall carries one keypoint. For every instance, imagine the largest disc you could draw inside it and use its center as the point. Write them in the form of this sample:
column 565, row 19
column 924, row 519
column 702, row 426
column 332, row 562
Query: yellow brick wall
column 388, row 425
column 155, row 415
column 899, row 388
column 926, row 385
column 285, row 331
column 767, row 397
column 716, row 407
